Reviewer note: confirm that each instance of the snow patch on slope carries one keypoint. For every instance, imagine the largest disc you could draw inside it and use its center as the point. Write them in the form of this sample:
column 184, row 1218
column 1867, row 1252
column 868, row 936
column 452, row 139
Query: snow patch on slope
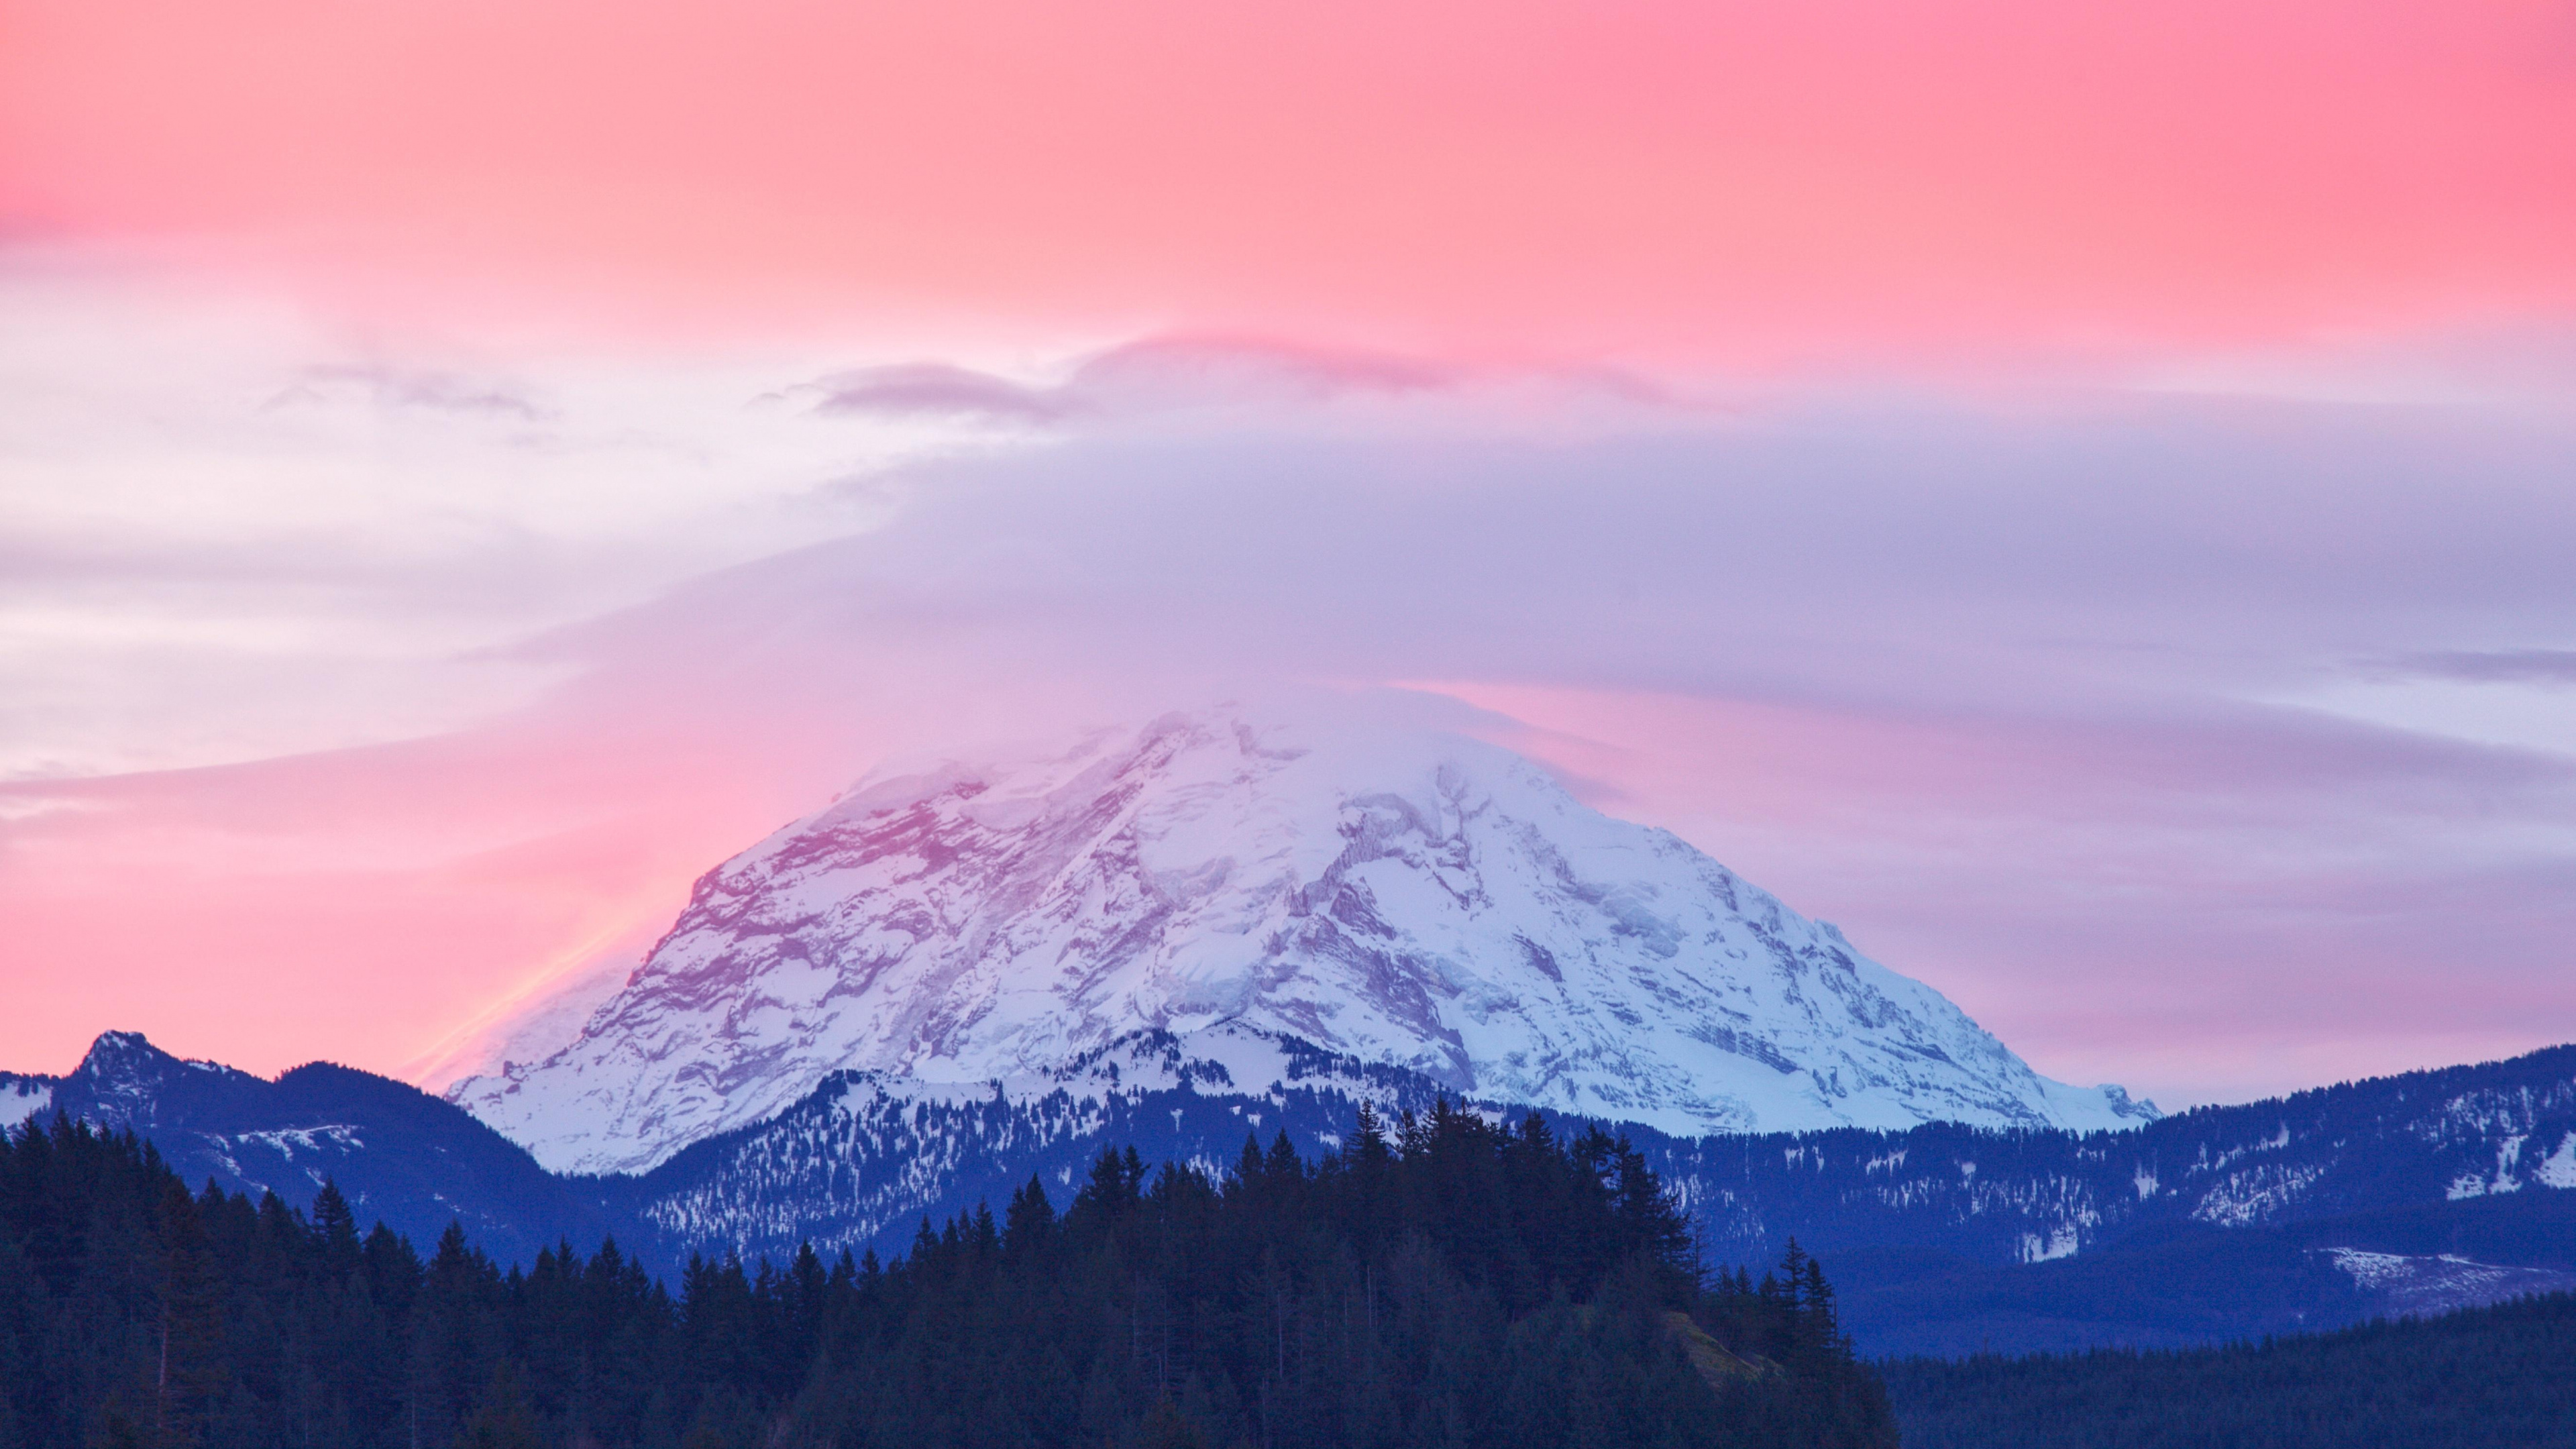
column 22, row 1098
column 2558, row 1169
column 2444, row 1283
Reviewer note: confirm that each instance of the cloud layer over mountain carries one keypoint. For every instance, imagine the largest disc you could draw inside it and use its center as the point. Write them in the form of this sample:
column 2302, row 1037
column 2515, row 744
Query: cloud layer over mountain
column 2205, row 738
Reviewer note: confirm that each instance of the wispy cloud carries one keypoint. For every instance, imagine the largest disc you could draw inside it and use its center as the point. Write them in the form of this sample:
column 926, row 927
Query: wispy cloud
column 2494, row 666
column 448, row 392
column 229, row 530
column 935, row 389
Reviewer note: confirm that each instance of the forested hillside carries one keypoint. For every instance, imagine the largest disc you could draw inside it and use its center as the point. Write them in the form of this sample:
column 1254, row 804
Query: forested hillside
column 2488, row 1378
column 1447, row 1282
column 2216, row 1225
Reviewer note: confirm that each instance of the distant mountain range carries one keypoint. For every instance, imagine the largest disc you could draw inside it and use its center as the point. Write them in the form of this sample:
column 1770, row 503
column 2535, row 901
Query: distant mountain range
column 2410, row 1193
column 397, row 1153
column 961, row 976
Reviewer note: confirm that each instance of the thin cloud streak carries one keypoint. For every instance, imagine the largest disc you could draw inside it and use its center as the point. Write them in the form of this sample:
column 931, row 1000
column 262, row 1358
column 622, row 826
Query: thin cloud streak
column 2509, row 666
column 1158, row 375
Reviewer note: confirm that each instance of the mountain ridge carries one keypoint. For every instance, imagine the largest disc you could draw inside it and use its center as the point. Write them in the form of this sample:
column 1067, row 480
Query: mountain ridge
column 397, row 1153
column 2288, row 1214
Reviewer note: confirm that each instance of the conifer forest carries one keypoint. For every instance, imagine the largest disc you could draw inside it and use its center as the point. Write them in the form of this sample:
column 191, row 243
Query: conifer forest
column 2501, row 1377
column 1437, row 1281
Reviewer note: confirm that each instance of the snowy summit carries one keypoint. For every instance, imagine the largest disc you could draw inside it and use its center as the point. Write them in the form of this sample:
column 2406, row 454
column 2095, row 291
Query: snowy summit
column 1404, row 897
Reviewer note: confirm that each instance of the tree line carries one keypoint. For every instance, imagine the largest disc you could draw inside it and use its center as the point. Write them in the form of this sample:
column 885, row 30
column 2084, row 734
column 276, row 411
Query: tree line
column 1438, row 1280
column 2502, row 1377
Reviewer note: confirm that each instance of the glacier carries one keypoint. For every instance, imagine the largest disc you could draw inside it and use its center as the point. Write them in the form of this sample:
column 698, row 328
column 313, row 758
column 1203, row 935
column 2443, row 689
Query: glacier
column 1249, row 887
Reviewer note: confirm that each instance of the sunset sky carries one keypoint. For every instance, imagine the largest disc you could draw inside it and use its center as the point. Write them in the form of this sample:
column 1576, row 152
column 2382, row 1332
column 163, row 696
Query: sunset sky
column 2082, row 497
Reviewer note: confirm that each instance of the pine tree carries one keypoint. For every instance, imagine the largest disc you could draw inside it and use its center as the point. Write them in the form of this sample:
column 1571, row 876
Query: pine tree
column 335, row 1227
column 501, row 1418
column 189, row 1372
column 1030, row 1223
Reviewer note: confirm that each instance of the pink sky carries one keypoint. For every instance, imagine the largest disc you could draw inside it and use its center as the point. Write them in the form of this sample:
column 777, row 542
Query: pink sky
column 1722, row 181
column 2074, row 494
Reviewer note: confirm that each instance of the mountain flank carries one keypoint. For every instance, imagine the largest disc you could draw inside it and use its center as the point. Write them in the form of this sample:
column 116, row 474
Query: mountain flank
column 1406, row 899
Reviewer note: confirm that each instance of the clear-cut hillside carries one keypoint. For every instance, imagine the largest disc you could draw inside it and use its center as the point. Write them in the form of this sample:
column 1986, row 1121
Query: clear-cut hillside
column 1405, row 898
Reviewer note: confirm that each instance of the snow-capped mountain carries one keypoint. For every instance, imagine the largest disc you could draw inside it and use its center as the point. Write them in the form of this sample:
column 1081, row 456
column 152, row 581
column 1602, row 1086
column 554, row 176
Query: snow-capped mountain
column 1419, row 900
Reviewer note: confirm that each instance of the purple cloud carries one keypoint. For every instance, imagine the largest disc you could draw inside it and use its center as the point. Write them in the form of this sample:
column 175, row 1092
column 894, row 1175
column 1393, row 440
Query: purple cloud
column 1155, row 375
column 1993, row 692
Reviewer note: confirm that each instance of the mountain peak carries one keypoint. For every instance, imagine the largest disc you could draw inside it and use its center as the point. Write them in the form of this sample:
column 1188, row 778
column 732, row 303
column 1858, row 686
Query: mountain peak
column 114, row 1052
column 1399, row 896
